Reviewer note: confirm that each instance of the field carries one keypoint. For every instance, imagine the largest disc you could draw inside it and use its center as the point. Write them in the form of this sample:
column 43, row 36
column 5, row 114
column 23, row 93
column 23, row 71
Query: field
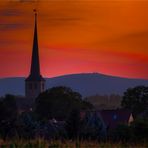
column 66, row 144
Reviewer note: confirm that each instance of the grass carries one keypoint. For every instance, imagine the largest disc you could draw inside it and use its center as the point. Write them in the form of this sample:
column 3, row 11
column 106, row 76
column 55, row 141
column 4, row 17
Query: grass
column 40, row 143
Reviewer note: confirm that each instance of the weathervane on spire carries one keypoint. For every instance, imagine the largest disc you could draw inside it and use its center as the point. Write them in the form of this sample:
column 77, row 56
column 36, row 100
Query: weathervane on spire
column 35, row 11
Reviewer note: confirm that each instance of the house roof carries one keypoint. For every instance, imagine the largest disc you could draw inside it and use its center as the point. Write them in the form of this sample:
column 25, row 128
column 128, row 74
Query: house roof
column 114, row 117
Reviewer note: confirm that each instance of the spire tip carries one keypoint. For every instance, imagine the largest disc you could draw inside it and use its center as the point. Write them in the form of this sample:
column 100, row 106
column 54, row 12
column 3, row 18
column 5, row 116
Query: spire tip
column 35, row 11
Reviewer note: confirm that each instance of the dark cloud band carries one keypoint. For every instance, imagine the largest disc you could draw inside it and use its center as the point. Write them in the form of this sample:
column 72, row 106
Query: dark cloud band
column 5, row 27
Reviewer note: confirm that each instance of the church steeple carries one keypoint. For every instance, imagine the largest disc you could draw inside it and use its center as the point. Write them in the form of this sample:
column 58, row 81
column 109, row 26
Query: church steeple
column 35, row 65
column 35, row 82
column 35, row 62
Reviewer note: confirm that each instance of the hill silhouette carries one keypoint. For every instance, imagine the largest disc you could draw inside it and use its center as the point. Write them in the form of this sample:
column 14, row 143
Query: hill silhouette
column 86, row 84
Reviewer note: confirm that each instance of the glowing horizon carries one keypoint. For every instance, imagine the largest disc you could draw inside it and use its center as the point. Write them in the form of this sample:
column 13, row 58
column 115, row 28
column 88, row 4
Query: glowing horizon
column 82, row 36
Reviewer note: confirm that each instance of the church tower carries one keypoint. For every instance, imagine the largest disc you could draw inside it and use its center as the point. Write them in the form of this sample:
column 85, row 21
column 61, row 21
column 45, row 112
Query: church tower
column 34, row 83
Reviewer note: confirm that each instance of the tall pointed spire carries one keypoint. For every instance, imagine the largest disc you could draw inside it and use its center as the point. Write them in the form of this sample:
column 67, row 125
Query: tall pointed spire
column 35, row 65
column 35, row 83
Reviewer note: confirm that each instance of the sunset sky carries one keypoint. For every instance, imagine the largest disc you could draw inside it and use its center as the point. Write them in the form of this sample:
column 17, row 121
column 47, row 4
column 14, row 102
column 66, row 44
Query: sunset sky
column 75, row 36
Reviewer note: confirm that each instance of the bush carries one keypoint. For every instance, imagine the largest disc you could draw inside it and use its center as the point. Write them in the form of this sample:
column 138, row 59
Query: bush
column 140, row 130
column 8, row 116
column 73, row 124
column 92, row 127
column 121, row 133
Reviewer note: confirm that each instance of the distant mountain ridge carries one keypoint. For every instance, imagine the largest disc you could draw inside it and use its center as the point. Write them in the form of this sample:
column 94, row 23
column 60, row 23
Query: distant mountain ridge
column 86, row 84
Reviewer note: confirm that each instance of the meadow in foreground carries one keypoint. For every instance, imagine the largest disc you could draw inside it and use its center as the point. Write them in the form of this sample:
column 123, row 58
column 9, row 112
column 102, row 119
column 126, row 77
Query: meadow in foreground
column 67, row 144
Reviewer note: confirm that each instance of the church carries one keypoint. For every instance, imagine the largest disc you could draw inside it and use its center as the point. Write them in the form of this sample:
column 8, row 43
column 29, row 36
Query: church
column 34, row 83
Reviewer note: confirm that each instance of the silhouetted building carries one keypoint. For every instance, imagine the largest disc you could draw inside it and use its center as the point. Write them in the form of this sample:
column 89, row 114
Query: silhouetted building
column 112, row 118
column 35, row 83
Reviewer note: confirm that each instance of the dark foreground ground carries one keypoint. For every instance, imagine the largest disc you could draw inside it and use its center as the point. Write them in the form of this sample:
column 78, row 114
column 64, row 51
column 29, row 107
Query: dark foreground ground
column 67, row 144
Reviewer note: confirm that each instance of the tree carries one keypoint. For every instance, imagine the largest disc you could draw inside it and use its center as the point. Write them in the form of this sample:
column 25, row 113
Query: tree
column 8, row 115
column 136, row 99
column 58, row 102
column 73, row 124
column 92, row 127
column 11, row 110
column 8, row 108
column 121, row 133
column 26, row 126
column 140, row 130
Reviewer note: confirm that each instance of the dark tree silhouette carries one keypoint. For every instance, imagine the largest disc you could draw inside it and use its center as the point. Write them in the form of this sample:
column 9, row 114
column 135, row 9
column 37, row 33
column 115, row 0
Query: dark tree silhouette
column 8, row 108
column 73, row 124
column 8, row 115
column 136, row 99
column 140, row 130
column 58, row 102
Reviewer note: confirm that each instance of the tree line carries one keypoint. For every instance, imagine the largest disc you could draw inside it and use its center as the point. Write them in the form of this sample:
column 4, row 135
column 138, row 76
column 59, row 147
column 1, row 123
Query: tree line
column 65, row 105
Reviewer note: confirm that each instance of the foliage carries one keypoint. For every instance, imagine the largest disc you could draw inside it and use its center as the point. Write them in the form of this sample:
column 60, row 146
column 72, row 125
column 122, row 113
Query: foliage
column 73, row 124
column 8, row 108
column 140, row 130
column 136, row 99
column 136, row 132
column 8, row 115
column 143, row 115
column 26, row 126
column 121, row 133
column 92, row 127
column 58, row 102
column 51, row 130
column 29, row 128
